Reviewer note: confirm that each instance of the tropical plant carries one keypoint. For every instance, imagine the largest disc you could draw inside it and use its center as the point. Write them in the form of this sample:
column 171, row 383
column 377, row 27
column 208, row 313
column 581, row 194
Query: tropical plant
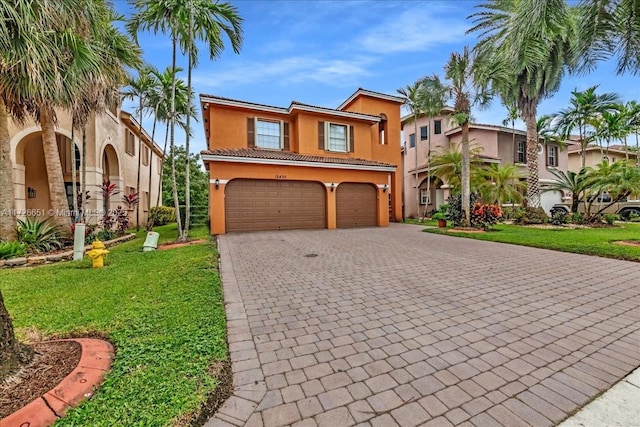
column 578, row 184
column 39, row 235
column 446, row 164
column 502, row 184
column 108, row 190
column 188, row 21
column 455, row 213
column 12, row 249
column 161, row 215
column 613, row 127
column 619, row 180
column 523, row 50
column 512, row 116
column 131, row 200
column 485, row 216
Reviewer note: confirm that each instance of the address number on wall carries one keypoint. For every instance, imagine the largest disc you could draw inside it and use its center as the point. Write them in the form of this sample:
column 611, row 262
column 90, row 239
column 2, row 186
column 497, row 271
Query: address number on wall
column 281, row 176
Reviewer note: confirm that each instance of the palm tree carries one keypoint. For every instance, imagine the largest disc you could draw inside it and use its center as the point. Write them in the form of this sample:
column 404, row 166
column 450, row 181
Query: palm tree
column 187, row 21
column 446, row 164
column 571, row 182
column 584, row 107
column 411, row 95
column 614, row 127
column 524, row 48
column 502, row 184
column 512, row 116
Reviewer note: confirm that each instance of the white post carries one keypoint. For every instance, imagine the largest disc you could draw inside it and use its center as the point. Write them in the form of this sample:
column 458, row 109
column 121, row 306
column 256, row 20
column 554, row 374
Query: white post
column 78, row 242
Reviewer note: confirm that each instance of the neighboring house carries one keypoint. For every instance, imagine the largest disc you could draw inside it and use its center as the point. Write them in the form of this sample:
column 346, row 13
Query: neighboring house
column 496, row 144
column 303, row 167
column 595, row 155
column 113, row 152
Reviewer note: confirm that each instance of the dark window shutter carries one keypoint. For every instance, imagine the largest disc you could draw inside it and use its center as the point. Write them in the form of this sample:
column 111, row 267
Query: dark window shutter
column 515, row 152
column 321, row 135
column 351, row 144
column 285, row 137
column 251, row 134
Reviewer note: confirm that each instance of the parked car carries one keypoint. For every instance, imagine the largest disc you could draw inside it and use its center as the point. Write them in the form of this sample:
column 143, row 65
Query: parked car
column 624, row 208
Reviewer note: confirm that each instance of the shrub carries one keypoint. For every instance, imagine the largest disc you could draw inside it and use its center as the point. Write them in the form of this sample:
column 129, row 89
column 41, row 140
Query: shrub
column 122, row 220
column 104, row 235
column 531, row 215
column 12, row 249
column 454, row 211
column 162, row 215
column 39, row 236
column 559, row 217
column 576, row 218
column 485, row 216
column 634, row 217
column 611, row 218
column 512, row 212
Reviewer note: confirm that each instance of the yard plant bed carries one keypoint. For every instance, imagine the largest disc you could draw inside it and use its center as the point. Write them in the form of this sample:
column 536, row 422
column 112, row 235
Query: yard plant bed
column 589, row 241
column 162, row 311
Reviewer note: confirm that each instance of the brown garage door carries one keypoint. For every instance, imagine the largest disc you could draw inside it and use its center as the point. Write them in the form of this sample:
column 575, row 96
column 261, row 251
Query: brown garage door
column 356, row 205
column 257, row 204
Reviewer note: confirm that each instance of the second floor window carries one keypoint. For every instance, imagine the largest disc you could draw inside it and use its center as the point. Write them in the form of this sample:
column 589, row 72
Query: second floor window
column 337, row 137
column 268, row 134
column 424, row 133
column 437, row 127
column 552, row 156
column 145, row 155
column 130, row 146
column 412, row 140
column 521, row 152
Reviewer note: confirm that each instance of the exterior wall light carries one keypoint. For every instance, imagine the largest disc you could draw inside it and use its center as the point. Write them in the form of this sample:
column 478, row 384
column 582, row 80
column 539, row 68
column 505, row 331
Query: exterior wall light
column 217, row 182
column 332, row 187
column 384, row 189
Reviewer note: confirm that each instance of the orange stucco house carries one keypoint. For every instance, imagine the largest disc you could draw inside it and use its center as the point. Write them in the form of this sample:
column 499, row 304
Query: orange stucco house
column 303, row 167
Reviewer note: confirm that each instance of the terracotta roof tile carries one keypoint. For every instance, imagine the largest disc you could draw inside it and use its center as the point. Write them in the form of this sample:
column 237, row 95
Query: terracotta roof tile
column 253, row 153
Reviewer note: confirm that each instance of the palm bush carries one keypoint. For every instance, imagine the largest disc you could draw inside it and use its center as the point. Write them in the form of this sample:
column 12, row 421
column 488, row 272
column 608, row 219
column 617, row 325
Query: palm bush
column 12, row 249
column 39, row 236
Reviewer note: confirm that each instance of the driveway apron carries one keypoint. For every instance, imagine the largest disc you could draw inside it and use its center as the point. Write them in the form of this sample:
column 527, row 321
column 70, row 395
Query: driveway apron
column 392, row 326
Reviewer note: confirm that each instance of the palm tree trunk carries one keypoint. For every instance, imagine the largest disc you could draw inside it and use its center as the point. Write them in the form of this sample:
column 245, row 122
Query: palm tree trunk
column 637, row 150
column 83, row 173
column 174, row 184
column 626, row 149
column 164, row 155
column 139, row 164
column 74, row 177
column 428, row 172
column 187, row 174
column 153, row 135
column 533, row 184
column 12, row 352
column 57, row 194
column 415, row 138
column 465, row 182
column 7, row 195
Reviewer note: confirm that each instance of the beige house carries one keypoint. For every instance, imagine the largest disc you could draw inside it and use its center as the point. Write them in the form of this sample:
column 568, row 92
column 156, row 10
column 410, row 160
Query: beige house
column 496, row 144
column 594, row 155
column 113, row 153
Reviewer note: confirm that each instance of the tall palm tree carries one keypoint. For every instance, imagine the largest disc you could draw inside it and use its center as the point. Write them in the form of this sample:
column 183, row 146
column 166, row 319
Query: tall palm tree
column 411, row 96
column 525, row 47
column 187, row 21
column 512, row 116
column 584, row 107
column 615, row 127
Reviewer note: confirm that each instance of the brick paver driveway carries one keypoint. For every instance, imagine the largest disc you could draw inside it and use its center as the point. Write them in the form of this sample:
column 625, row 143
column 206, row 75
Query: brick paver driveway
column 391, row 326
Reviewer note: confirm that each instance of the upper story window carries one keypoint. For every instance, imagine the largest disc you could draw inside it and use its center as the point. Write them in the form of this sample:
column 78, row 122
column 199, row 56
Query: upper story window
column 270, row 134
column 412, row 140
column 145, row 155
column 335, row 137
column 521, row 152
column 382, row 127
column 552, row 156
column 130, row 143
column 424, row 133
column 437, row 127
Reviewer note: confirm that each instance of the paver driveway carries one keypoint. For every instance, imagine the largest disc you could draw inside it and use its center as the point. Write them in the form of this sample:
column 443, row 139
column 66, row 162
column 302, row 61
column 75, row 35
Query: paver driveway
column 392, row 326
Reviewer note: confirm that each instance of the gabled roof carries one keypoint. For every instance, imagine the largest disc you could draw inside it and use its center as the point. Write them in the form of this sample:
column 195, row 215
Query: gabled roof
column 617, row 148
column 360, row 91
column 254, row 155
column 408, row 117
column 295, row 105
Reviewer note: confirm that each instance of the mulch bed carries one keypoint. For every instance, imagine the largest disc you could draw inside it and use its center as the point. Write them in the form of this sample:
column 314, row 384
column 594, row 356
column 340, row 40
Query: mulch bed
column 53, row 361
column 635, row 243
column 167, row 246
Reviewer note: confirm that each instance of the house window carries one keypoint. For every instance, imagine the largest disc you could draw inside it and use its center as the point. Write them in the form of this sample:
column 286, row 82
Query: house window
column 437, row 127
column 145, row 200
column 268, row 134
column 337, row 137
column 424, row 196
column 521, row 151
column 382, row 128
column 412, row 140
column 552, row 156
column 159, row 171
column 130, row 145
column 145, row 155
column 424, row 133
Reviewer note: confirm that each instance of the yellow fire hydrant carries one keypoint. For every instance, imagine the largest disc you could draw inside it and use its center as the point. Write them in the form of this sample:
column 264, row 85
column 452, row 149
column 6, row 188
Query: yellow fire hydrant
column 97, row 253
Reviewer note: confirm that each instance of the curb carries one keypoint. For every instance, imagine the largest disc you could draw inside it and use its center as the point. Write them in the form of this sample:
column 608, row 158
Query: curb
column 94, row 363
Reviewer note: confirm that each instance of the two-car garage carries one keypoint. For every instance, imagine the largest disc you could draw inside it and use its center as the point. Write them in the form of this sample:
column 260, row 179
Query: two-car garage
column 261, row 204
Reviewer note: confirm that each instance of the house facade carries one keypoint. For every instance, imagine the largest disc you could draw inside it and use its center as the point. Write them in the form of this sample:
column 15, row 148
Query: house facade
column 497, row 144
column 303, row 166
column 113, row 153
column 594, row 155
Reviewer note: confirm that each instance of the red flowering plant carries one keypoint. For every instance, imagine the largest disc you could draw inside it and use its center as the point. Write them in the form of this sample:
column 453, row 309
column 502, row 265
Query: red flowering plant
column 485, row 216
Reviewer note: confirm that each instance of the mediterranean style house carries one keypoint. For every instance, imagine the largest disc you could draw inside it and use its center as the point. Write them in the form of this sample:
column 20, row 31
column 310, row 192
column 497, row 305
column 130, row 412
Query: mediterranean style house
column 496, row 144
column 594, row 155
column 113, row 153
column 303, row 166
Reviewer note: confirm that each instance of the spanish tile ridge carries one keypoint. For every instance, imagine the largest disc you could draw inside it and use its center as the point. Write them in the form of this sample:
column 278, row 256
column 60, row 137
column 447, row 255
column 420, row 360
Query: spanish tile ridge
column 334, row 110
column 254, row 153
column 257, row 104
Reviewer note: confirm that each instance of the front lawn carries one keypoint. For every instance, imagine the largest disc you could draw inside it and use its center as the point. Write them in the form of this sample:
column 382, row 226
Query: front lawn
column 590, row 241
column 163, row 312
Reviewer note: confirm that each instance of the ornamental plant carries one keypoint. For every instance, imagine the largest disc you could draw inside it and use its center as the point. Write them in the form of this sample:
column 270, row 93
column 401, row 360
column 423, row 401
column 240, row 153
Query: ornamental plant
column 485, row 216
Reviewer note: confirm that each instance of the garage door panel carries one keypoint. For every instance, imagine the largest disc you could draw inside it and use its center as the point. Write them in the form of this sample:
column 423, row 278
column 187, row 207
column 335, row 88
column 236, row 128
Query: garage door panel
column 356, row 205
column 253, row 205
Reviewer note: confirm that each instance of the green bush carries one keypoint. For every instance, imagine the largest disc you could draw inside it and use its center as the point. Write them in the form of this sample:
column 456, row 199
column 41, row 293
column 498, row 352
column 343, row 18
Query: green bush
column 611, row 218
column 512, row 212
column 162, row 215
column 39, row 236
column 576, row 218
column 12, row 249
column 454, row 211
column 531, row 215
column 559, row 217
column 634, row 217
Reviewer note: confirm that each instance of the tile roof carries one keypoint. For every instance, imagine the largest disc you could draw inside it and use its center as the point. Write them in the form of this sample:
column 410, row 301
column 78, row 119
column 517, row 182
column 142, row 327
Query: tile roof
column 254, row 153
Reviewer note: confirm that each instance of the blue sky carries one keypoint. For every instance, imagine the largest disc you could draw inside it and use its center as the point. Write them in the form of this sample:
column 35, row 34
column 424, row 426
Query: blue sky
column 319, row 52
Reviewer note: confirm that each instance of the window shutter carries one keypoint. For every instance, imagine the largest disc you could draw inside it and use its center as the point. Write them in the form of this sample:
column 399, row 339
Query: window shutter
column 285, row 132
column 351, row 144
column 321, row 135
column 251, row 134
column 515, row 152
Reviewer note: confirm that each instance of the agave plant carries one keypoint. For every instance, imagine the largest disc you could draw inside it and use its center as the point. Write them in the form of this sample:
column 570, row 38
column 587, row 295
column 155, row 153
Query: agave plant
column 39, row 236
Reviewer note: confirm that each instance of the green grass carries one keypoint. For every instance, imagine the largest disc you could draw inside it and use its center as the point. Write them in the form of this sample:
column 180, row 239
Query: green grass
column 426, row 222
column 162, row 310
column 590, row 241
